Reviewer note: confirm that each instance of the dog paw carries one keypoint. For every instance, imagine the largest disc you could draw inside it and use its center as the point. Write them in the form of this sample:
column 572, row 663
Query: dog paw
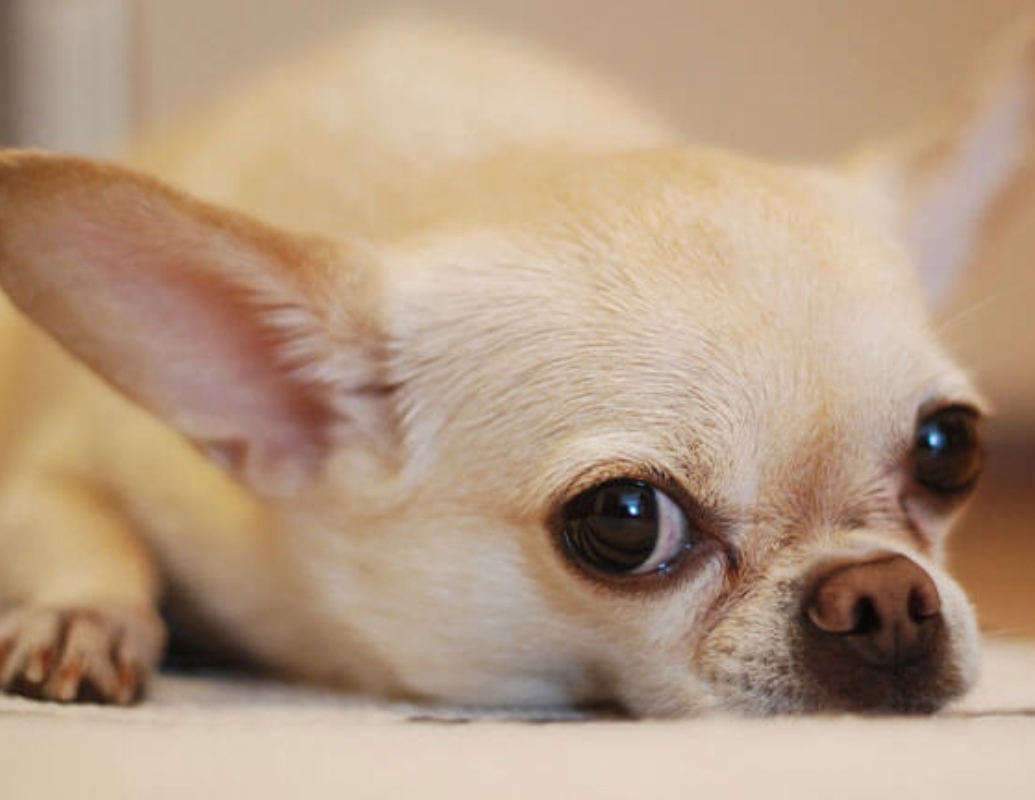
column 93, row 654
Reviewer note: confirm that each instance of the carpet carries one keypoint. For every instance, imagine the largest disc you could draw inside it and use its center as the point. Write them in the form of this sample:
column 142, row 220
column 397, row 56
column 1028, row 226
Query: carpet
column 232, row 737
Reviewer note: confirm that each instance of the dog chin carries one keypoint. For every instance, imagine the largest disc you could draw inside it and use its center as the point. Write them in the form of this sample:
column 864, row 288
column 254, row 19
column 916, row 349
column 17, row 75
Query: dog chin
column 910, row 691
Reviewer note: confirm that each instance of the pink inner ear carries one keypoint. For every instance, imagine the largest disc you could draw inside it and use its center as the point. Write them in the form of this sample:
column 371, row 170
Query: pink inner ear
column 149, row 303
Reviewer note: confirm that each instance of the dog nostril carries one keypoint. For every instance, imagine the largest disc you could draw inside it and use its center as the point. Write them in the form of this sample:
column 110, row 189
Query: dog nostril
column 867, row 620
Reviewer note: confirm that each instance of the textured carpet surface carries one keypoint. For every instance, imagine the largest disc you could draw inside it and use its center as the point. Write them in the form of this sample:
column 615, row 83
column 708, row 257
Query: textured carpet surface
column 234, row 738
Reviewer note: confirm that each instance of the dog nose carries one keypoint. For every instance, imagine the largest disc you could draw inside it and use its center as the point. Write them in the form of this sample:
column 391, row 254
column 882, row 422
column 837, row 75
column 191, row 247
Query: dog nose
column 883, row 609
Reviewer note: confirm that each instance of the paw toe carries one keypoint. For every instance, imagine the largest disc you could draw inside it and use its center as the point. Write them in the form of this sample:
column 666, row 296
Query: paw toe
column 82, row 655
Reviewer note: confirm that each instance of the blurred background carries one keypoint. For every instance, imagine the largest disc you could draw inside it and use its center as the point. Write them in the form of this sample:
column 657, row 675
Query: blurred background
column 790, row 79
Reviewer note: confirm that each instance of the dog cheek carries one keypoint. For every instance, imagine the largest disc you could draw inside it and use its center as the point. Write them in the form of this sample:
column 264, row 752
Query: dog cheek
column 752, row 659
column 961, row 669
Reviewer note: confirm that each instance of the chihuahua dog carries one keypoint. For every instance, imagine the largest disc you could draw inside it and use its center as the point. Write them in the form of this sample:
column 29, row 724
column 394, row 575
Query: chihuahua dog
column 435, row 369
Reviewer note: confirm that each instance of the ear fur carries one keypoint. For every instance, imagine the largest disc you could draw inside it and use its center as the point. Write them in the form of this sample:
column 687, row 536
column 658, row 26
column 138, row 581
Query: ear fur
column 260, row 346
column 949, row 177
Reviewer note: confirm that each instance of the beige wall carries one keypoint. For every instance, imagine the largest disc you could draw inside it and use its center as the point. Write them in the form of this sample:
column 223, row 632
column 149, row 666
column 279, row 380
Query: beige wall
column 787, row 78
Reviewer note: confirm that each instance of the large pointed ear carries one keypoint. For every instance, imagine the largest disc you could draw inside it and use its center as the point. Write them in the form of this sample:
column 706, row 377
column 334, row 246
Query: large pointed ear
column 259, row 346
column 948, row 179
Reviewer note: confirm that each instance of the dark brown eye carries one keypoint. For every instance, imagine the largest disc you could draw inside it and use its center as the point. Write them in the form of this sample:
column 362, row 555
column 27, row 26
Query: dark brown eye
column 947, row 455
column 626, row 527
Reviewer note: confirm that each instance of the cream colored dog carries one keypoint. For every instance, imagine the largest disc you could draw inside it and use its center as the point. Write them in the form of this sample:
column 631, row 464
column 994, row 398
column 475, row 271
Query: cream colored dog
column 541, row 407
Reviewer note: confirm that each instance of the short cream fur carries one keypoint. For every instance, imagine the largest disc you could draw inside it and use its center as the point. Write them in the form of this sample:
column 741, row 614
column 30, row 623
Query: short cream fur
column 411, row 295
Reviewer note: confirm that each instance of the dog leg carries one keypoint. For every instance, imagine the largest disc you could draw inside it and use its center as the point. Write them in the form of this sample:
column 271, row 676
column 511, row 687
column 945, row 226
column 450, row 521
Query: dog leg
column 77, row 595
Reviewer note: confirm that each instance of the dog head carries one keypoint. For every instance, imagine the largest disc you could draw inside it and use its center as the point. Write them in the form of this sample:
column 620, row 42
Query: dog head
column 668, row 427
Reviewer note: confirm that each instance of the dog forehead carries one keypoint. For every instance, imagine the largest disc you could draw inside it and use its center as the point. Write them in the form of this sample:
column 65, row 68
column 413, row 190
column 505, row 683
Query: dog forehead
column 680, row 230
column 709, row 307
